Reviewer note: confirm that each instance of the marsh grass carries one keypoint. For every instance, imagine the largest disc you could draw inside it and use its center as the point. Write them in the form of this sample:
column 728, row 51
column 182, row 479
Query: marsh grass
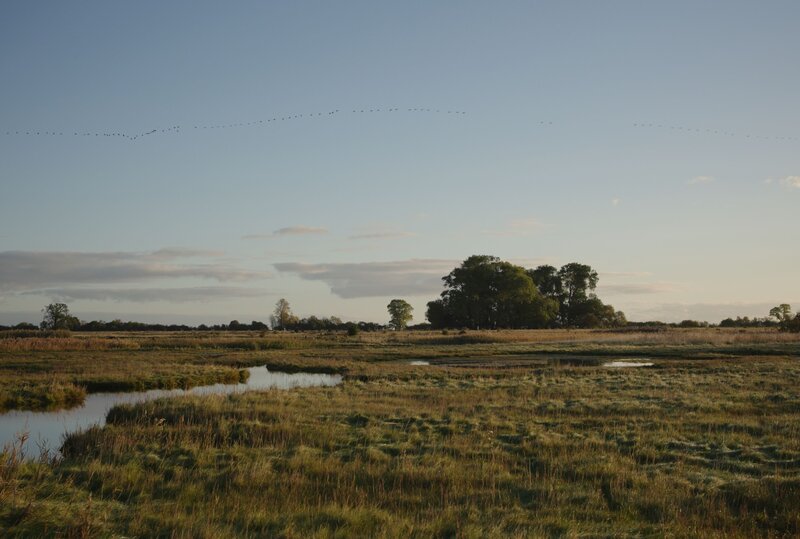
column 491, row 440
column 61, row 379
column 561, row 451
column 38, row 372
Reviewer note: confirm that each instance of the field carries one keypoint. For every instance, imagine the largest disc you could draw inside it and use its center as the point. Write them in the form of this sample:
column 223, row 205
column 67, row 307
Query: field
column 504, row 434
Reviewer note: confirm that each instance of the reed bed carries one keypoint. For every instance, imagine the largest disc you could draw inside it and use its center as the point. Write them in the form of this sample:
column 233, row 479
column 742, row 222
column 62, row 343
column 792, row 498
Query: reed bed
column 691, row 448
column 504, row 434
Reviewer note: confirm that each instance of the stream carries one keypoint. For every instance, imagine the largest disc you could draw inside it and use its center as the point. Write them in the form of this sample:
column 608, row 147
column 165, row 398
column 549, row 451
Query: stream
column 47, row 429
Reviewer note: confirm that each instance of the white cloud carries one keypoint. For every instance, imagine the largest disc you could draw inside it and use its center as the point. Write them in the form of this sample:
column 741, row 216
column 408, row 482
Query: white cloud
column 615, row 201
column 147, row 295
column 791, row 181
column 623, row 274
column 700, row 180
column 382, row 235
column 299, row 230
column 710, row 312
column 25, row 270
column 376, row 279
column 636, row 288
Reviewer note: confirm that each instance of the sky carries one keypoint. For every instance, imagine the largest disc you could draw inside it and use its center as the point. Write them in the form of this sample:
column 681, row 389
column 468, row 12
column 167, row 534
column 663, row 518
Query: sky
column 195, row 162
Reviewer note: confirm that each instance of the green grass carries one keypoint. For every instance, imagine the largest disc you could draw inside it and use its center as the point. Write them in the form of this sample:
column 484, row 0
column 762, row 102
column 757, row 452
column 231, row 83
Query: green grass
column 489, row 441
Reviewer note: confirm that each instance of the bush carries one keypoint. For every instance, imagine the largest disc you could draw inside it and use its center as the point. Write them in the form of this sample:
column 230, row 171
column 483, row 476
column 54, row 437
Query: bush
column 792, row 325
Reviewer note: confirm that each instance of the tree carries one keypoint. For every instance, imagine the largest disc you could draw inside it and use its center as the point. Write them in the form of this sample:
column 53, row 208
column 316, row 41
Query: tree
column 578, row 282
column 786, row 321
column 486, row 292
column 282, row 317
column 782, row 312
column 438, row 314
column 57, row 316
column 400, row 313
column 547, row 281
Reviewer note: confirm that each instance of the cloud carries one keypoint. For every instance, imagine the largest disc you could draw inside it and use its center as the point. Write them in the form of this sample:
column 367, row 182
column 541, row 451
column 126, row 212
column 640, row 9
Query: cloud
column 791, row 181
column 24, row 270
column 171, row 295
column 636, row 288
column 300, row 230
column 519, row 227
column 711, row 312
column 373, row 279
column 288, row 231
column 697, row 180
column 615, row 202
column 381, row 236
column 533, row 262
column 623, row 274
column 182, row 252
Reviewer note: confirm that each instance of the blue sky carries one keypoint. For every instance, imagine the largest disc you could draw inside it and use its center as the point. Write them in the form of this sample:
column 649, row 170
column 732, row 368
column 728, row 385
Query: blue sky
column 339, row 213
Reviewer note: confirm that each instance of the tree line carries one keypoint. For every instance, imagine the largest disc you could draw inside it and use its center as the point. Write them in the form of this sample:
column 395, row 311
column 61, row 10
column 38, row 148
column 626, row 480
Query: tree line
column 484, row 292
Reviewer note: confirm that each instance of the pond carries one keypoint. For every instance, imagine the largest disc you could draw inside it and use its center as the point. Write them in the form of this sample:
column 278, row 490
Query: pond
column 625, row 363
column 46, row 430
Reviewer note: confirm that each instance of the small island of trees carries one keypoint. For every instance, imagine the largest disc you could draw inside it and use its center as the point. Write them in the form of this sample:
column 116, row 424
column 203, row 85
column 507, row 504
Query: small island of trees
column 485, row 292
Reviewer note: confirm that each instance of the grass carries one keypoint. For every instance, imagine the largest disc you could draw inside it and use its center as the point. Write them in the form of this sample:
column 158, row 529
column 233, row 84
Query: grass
column 492, row 440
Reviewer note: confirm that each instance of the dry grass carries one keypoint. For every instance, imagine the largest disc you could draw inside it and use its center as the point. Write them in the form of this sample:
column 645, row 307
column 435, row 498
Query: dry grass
column 685, row 449
column 511, row 435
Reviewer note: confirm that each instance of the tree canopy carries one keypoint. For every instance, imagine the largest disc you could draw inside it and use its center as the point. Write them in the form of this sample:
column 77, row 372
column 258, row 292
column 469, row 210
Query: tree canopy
column 399, row 313
column 786, row 321
column 282, row 317
column 486, row 292
column 57, row 316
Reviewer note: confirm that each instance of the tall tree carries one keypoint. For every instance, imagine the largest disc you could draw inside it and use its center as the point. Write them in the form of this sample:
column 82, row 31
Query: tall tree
column 782, row 312
column 57, row 316
column 578, row 282
column 547, row 281
column 486, row 292
column 282, row 317
column 399, row 313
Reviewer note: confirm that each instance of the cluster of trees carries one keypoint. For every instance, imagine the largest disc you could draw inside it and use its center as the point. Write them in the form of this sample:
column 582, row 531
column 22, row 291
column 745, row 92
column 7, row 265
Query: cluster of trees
column 747, row 322
column 486, row 292
column 57, row 316
column 284, row 319
column 786, row 320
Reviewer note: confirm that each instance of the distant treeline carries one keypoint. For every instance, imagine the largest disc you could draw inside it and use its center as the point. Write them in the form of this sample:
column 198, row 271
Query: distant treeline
column 313, row 323
column 304, row 324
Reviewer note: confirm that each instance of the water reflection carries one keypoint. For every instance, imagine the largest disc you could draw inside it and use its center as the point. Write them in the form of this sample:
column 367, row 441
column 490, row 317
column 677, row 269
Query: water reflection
column 46, row 429
column 622, row 363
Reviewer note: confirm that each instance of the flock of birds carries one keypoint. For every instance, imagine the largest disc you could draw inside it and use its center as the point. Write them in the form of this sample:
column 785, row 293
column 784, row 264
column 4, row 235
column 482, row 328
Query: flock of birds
column 177, row 128
column 712, row 131
column 289, row 117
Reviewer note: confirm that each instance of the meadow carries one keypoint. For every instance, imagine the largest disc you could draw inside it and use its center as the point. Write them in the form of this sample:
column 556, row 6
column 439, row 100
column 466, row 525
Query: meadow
column 503, row 434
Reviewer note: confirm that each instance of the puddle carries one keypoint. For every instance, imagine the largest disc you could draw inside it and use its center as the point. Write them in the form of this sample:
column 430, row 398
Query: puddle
column 47, row 429
column 622, row 363
column 419, row 363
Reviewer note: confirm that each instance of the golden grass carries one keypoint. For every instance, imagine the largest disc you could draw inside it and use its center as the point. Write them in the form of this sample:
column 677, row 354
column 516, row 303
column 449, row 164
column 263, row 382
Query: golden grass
column 505, row 434
column 706, row 448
